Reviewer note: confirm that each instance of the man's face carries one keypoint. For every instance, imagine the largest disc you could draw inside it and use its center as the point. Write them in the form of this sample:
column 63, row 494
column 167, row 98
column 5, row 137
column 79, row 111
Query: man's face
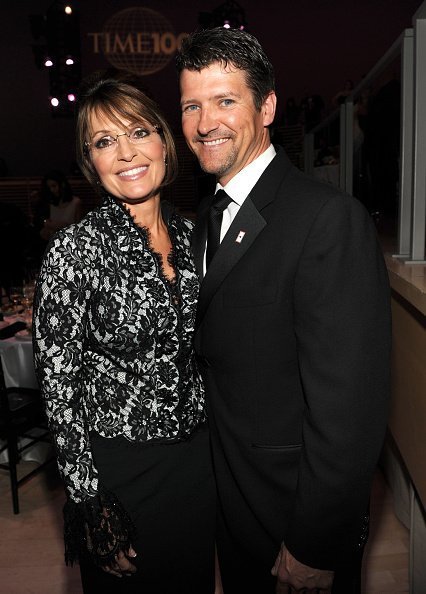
column 220, row 122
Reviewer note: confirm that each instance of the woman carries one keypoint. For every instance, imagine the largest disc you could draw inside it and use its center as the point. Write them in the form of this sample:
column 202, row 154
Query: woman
column 114, row 317
column 56, row 206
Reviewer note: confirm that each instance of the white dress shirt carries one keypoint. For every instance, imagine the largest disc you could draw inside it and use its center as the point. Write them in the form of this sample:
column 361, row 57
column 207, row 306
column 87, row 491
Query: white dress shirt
column 240, row 186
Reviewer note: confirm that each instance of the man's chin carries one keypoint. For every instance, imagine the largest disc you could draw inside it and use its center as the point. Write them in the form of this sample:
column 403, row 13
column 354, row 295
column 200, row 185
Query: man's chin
column 211, row 168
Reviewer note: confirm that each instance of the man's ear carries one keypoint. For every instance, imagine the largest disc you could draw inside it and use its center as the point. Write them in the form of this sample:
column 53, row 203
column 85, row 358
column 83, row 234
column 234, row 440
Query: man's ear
column 268, row 108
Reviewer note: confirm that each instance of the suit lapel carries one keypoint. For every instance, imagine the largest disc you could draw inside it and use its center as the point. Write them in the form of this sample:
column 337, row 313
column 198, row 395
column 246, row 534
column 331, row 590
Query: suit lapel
column 249, row 221
column 242, row 233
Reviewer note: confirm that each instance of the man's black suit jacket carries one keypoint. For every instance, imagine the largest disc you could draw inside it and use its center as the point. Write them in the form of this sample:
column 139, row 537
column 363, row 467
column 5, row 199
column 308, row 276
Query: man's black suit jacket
column 293, row 337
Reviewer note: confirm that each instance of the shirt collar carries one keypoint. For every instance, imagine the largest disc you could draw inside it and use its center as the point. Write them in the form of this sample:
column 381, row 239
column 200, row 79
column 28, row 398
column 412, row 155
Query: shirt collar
column 240, row 186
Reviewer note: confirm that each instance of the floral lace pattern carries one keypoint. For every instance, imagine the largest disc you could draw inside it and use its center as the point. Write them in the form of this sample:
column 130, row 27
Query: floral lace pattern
column 112, row 339
column 97, row 528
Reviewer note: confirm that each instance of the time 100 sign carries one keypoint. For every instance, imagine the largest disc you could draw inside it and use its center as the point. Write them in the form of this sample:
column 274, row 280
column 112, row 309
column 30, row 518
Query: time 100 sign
column 137, row 39
column 140, row 42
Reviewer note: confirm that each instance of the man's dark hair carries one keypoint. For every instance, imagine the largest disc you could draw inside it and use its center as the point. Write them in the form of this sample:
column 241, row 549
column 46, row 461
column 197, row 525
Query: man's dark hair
column 229, row 46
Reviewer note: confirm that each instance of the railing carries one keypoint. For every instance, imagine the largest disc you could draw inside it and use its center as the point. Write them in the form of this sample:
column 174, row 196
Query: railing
column 417, row 252
column 410, row 48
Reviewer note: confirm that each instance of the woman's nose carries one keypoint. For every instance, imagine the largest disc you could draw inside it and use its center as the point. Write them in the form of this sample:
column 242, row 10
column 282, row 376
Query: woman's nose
column 125, row 149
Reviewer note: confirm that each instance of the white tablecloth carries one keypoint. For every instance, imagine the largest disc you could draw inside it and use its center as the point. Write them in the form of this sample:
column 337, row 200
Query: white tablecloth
column 18, row 370
column 18, row 366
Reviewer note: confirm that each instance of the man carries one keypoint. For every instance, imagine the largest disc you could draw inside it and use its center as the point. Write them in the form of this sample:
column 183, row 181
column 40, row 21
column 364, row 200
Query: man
column 293, row 337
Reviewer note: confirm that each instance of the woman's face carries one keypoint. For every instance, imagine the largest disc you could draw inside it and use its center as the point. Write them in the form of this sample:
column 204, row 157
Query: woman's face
column 53, row 186
column 128, row 170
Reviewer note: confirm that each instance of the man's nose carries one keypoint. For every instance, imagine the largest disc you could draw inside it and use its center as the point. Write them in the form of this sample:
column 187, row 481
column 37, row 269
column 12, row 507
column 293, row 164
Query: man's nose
column 207, row 122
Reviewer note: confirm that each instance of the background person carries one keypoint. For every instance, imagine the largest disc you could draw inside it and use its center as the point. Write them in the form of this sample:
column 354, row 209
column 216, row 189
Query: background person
column 114, row 317
column 341, row 96
column 292, row 333
column 55, row 206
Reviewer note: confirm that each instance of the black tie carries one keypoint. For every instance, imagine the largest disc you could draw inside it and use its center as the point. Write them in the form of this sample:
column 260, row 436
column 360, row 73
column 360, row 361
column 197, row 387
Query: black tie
column 220, row 201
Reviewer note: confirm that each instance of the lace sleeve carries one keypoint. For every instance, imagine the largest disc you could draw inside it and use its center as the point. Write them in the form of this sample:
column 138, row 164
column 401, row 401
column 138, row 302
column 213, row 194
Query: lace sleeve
column 60, row 310
column 98, row 527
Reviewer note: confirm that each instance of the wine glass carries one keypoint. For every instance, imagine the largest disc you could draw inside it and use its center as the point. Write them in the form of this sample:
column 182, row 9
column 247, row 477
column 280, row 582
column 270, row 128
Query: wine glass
column 28, row 292
column 16, row 295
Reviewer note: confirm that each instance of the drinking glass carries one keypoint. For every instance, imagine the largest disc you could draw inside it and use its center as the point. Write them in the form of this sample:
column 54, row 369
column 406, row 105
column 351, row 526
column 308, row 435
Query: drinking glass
column 28, row 293
column 16, row 295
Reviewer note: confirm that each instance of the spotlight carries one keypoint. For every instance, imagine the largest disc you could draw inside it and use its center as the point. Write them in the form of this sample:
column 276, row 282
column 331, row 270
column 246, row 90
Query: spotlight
column 57, row 48
column 229, row 15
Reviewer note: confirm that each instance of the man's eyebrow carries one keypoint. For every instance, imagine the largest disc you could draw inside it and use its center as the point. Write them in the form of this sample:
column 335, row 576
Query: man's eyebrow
column 222, row 95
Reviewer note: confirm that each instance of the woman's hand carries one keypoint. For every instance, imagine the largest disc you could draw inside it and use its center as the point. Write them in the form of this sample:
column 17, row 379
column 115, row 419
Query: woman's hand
column 122, row 565
column 108, row 539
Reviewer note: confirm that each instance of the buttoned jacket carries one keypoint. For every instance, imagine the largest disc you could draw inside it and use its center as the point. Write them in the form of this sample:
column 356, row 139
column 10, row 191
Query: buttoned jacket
column 293, row 335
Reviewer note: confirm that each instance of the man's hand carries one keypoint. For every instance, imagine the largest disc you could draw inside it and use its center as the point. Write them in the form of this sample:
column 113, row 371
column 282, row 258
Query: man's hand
column 293, row 576
column 122, row 565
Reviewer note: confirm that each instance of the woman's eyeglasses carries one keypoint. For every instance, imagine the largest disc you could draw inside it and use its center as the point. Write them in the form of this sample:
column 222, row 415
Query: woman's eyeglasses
column 108, row 142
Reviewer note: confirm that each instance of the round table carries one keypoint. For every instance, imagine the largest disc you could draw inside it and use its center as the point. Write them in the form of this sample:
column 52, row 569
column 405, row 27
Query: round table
column 18, row 370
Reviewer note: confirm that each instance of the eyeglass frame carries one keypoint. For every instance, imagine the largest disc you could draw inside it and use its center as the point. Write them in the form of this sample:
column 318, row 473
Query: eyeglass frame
column 157, row 129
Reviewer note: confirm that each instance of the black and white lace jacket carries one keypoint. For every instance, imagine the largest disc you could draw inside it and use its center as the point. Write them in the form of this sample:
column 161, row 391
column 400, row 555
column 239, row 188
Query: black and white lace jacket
column 112, row 344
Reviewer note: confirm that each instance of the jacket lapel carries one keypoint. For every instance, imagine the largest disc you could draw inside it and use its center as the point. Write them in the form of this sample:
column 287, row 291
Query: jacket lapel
column 249, row 222
column 242, row 233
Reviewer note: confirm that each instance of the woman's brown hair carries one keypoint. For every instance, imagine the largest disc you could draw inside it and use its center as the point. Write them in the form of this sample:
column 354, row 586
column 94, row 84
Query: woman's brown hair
column 118, row 96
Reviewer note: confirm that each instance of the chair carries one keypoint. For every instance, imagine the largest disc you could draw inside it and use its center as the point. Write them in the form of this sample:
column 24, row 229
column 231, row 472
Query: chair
column 21, row 414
